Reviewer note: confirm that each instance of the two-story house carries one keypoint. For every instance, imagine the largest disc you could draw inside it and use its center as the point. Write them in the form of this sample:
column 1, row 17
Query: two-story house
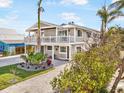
column 62, row 41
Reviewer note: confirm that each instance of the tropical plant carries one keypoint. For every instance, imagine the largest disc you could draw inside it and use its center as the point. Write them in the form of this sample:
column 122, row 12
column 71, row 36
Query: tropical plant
column 40, row 9
column 119, row 4
column 107, row 15
column 34, row 58
column 37, row 58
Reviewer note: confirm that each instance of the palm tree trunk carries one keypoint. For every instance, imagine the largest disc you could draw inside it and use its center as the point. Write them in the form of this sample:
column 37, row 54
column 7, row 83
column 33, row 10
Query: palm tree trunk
column 39, row 31
column 103, row 30
column 118, row 78
column 102, row 33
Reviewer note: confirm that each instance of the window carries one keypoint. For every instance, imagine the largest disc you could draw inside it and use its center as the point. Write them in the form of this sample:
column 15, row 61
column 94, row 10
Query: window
column 88, row 34
column 79, row 33
column 49, row 47
column 62, row 33
column 94, row 35
column 62, row 49
column 78, row 49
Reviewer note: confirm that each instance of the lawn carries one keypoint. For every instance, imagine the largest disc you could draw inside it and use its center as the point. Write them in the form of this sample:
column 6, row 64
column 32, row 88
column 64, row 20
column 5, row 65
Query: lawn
column 19, row 73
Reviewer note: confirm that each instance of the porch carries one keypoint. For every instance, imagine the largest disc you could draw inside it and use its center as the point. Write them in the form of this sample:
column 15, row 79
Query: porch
column 57, row 52
column 55, row 39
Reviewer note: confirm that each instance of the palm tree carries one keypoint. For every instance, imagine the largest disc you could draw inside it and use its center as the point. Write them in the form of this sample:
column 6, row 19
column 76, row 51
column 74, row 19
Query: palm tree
column 107, row 15
column 119, row 4
column 40, row 9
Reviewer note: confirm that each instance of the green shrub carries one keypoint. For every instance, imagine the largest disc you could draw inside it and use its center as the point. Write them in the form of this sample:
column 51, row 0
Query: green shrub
column 5, row 53
column 7, row 80
column 34, row 58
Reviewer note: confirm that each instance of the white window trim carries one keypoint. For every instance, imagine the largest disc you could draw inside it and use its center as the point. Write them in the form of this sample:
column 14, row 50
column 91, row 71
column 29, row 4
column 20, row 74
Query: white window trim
column 78, row 46
column 81, row 32
column 62, row 52
column 47, row 49
column 63, row 30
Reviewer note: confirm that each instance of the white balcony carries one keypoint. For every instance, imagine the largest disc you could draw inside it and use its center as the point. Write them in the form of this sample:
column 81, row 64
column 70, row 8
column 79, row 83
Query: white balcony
column 55, row 39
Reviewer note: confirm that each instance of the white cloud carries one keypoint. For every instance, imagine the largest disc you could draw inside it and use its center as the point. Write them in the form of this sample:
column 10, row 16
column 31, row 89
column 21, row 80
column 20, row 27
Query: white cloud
column 69, row 16
column 11, row 18
column 76, row 2
column 114, row 1
column 50, row 3
column 5, row 3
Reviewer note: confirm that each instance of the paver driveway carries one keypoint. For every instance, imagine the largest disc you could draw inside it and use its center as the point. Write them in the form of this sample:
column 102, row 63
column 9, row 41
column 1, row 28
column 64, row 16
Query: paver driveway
column 38, row 84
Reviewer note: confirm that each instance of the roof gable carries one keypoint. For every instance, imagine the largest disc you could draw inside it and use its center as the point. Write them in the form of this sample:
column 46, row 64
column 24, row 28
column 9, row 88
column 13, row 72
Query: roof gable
column 43, row 24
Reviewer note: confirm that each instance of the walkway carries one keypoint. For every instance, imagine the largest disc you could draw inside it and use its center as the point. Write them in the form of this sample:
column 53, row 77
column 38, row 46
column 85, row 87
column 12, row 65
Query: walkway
column 38, row 84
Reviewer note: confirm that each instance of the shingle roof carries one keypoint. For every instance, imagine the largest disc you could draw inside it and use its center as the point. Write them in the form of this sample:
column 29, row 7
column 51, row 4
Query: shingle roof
column 43, row 24
column 46, row 24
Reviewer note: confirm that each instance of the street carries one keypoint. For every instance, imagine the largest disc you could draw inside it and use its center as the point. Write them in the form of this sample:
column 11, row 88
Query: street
column 10, row 60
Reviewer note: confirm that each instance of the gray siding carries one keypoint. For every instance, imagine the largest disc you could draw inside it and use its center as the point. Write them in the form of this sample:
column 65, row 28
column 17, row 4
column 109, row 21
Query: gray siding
column 50, row 32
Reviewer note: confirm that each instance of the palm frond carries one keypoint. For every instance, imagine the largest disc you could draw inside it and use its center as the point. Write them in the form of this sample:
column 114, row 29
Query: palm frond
column 39, row 3
column 119, row 4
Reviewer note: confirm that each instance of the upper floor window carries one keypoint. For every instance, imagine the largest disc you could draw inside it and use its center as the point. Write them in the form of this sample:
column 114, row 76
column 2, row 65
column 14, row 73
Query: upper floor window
column 88, row 34
column 62, row 33
column 79, row 33
column 94, row 35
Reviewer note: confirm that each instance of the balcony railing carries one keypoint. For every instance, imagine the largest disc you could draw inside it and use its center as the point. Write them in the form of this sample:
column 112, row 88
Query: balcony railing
column 55, row 39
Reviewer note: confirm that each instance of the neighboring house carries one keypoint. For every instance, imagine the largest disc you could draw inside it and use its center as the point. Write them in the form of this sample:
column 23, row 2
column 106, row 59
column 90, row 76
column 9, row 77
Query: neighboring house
column 62, row 41
column 11, row 42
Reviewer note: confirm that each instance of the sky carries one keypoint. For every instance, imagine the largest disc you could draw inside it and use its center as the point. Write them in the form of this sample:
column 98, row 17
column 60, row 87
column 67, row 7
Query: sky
column 21, row 14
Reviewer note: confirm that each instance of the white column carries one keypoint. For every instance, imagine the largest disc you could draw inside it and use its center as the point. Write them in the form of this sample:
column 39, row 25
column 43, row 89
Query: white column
column 74, row 34
column 68, row 35
column 56, row 34
column 35, row 48
column 29, row 34
column 53, row 53
column 25, row 49
column 70, row 53
column 56, row 31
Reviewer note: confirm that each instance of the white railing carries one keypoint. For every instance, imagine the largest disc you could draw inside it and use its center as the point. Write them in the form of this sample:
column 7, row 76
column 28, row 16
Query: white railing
column 55, row 39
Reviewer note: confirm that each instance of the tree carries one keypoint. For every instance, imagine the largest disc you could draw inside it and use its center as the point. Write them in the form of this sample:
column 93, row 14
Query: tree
column 107, row 15
column 121, row 66
column 91, row 71
column 40, row 9
column 119, row 4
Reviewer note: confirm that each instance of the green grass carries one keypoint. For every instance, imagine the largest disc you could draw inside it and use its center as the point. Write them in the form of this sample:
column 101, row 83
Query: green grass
column 8, row 79
column 21, row 73
column 24, row 75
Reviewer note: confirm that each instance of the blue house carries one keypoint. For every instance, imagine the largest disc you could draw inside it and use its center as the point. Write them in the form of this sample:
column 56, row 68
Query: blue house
column 11, row 41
